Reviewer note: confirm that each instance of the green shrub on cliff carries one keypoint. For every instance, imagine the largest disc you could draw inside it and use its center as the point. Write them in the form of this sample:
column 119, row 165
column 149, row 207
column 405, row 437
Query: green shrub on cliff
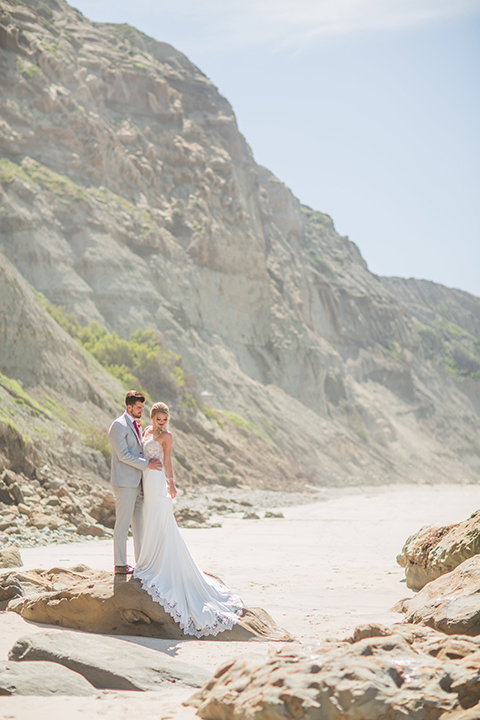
column 450, row 346
column 140, row 362
column 67, row 321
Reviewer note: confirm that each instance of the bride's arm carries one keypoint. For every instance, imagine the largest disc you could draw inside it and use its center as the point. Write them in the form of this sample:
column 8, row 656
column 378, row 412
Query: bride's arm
column 167, row 462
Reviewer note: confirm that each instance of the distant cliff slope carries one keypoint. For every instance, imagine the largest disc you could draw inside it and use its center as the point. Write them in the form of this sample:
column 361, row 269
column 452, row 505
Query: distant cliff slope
column 128, row 196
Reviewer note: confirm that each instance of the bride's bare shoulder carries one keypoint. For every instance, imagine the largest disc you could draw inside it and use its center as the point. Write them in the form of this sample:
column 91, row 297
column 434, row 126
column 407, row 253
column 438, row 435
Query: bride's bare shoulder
column 148, row 431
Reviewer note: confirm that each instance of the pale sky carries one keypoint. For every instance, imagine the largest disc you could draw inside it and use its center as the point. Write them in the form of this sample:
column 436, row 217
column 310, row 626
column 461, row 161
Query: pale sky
column 369, row 110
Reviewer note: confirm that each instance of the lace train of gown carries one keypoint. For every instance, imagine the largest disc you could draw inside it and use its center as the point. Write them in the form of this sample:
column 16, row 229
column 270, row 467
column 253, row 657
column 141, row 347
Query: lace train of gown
column 198, row 603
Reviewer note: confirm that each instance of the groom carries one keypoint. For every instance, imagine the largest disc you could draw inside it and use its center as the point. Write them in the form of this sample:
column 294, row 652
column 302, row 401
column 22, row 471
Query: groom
column 128, row 464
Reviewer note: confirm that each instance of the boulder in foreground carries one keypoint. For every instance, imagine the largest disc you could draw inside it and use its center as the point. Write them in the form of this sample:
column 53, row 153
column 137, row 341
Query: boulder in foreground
column 41, row 678
column 107, row 663
column 451, row 603
column 434, row 551
column 95, row 601
column 381, row 673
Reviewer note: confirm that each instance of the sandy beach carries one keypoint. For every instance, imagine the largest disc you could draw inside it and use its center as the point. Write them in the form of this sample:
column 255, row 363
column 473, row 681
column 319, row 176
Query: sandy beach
column 323, row 569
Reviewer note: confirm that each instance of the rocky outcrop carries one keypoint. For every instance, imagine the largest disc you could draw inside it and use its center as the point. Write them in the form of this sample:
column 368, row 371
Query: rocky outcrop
column 434, row 551
column 51, row 508
column 451, row 603
column 107, row 663
column 128, row 196
column 380, row 674
column 91, row 600
column 18, row 455
column 42, row 678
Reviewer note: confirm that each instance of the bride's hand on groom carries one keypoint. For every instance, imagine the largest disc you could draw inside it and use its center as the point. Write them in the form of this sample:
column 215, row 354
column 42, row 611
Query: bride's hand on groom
column 155, row 464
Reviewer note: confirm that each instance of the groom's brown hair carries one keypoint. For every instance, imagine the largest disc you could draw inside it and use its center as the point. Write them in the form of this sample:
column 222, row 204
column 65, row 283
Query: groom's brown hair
column 133, row 396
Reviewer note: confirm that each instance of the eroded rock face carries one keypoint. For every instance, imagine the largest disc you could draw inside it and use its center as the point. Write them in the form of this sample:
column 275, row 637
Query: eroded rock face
column 451, row 603
column 434, row 551
column 94, row 601
column 35, row 348
column 15, row 455
column 128, row 196
column 380, row 674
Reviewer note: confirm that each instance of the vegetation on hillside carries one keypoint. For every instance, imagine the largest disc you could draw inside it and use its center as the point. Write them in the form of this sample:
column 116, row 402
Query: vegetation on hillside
column 449, row 345
column 140, row 362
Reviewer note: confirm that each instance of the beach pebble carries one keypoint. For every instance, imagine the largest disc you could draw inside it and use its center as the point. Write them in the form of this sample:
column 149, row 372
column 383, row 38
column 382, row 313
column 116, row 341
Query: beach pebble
column 7, row 521
column 40, row 520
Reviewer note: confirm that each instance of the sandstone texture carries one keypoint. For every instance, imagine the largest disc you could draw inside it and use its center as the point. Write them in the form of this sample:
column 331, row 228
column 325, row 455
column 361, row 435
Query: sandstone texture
column 84, row 599
column 107, row 663
column 41, row 678
column 451, row 603
column 129, row 197
column 10, row 558
column 434, row 551
column 379, row 674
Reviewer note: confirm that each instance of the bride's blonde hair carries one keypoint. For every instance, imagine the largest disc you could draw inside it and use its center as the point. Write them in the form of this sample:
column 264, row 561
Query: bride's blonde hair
column 160, row 407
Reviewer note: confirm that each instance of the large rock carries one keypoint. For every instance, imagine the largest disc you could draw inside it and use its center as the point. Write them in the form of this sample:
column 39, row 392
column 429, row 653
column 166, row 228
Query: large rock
column 10, row 557
column 94, row 601
column 380, row 674
column 41, row 678
column 108, row 663
column 104, row 510
column 434, row 551
column 451, row 603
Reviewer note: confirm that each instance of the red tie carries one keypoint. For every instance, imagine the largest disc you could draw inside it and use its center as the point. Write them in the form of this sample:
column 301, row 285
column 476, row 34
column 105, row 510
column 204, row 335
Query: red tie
column 137, row 428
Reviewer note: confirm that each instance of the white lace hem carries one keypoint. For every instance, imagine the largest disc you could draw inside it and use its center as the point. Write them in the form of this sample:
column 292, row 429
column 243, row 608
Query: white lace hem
column 222, row 620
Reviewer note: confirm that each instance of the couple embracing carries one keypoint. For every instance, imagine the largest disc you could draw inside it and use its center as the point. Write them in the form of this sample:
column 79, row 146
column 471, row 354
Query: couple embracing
column 143, row 491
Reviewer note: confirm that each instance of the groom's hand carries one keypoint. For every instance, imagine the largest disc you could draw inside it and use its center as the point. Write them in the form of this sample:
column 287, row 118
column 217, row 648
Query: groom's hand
column 155, row 464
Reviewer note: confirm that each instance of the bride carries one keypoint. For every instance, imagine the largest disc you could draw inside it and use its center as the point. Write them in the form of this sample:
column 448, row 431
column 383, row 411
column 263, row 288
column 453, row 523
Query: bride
column 200, row 604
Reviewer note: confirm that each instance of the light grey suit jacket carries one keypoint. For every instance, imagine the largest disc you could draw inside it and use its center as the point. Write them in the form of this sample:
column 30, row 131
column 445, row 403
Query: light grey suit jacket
column 128, row 462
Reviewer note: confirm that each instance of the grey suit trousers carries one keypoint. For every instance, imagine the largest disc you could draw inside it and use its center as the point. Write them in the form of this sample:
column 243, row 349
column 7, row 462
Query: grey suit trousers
column 128, row 464
column 129, row 510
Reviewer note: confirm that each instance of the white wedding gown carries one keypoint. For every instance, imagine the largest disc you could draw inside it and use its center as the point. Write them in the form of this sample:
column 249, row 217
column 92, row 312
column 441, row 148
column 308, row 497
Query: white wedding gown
column 200, row 604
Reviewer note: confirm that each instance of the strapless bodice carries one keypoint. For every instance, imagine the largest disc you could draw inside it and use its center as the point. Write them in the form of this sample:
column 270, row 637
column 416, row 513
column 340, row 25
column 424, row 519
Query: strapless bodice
column 152, row 449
